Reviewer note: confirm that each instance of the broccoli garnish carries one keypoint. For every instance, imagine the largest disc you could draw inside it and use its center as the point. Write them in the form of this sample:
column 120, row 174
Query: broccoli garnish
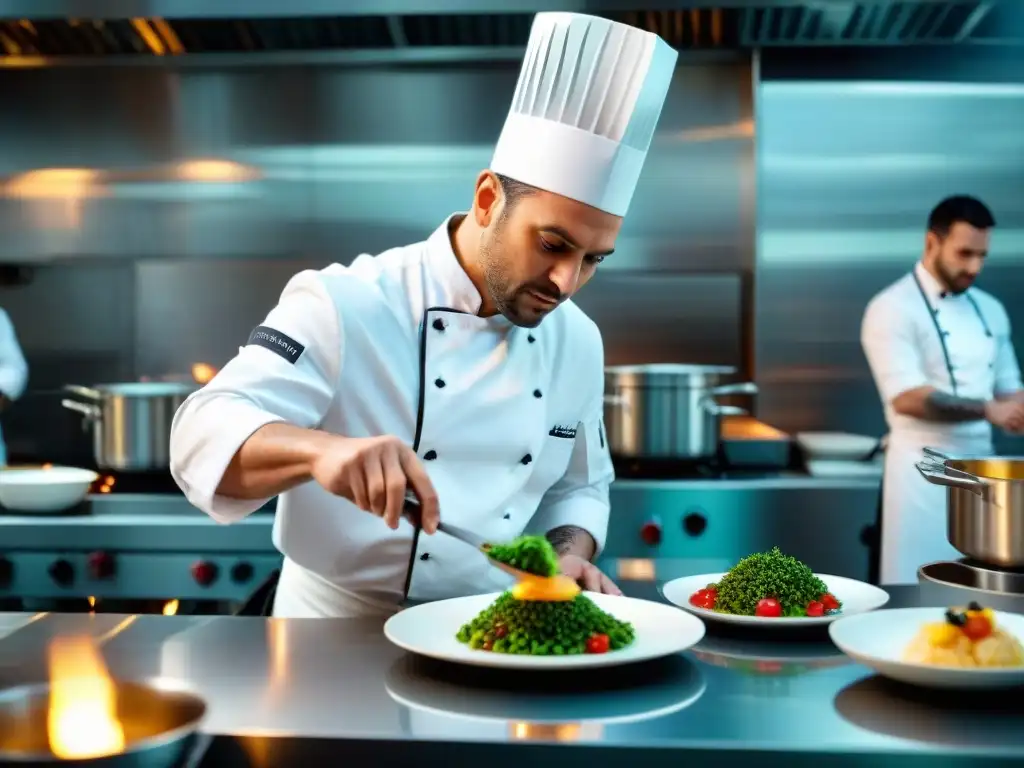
column 533, row 554
column 769, row 574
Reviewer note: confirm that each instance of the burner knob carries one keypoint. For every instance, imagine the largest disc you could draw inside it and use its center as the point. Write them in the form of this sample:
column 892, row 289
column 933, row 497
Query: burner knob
column 650, row 533
column 101, row 565
column 204, row 572
column 6, row 572
column 241, row 573
column 695, row 523
column 62, row 572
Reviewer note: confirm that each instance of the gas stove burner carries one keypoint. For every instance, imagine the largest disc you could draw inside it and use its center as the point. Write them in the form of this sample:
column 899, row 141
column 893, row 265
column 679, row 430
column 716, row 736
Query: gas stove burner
column 956, row 582
column 135, row 482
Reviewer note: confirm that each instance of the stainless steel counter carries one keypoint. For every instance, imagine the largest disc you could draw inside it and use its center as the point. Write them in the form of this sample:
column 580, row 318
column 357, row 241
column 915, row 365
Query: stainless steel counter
column 291, row 691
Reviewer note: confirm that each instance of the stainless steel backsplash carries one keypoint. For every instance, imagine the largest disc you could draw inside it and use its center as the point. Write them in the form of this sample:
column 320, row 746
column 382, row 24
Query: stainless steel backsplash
column 142, row 270
column 848, row 172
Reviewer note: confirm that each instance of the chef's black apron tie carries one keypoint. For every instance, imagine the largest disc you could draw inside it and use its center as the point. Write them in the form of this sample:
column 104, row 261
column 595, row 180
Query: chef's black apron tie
column 876, row 554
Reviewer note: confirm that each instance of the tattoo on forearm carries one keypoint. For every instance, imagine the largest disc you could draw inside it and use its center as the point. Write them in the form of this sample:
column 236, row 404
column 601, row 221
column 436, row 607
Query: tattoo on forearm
column 564, row 538
column 942, row 406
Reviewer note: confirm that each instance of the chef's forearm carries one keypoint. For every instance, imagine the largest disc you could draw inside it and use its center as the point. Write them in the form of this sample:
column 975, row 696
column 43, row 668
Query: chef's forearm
column 572, row 540
column 942, row 406
column 275, row 458
column 932, row 405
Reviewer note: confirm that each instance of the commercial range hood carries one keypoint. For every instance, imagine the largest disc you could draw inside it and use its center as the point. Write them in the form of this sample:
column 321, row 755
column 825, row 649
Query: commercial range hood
column 37, row 31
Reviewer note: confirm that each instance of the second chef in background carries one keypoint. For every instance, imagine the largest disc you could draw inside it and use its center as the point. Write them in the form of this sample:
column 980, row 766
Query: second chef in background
column 430, row 364
column 942, row 356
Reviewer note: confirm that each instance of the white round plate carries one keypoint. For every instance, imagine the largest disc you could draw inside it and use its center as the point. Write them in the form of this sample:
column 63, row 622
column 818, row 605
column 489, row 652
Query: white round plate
column 878, row 640
column 675, row 685
column 856, row 597
column 429, row 630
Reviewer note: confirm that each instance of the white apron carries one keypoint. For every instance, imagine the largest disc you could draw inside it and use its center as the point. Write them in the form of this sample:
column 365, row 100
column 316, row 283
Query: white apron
column 914, row 511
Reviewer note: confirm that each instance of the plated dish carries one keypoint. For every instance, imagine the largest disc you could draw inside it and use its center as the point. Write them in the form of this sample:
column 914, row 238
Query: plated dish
column 543, row 621
column 772, row 589
column 545, row 614
column 968, row 647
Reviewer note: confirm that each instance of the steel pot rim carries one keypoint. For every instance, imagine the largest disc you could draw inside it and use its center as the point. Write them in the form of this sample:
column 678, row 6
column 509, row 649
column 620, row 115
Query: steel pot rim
column 676, row 369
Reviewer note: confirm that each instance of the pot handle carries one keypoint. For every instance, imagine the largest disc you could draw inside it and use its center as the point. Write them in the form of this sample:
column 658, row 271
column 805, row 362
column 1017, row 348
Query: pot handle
column 936, row 454
column 716, row 409
column 747, row 388
column 86, row 392
column 936, row 475
column 90, row 412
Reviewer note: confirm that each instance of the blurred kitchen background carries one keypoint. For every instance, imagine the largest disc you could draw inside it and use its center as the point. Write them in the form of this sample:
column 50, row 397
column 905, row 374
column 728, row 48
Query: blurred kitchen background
column 162, row 176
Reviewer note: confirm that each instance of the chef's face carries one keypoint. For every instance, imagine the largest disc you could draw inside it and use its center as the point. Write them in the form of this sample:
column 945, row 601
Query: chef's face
column 959, row 256
column 540, row 250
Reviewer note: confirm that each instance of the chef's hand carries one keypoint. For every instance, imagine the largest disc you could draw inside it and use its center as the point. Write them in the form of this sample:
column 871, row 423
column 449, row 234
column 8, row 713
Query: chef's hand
column 587, row 575
column 373, row 473
column 1005, row 414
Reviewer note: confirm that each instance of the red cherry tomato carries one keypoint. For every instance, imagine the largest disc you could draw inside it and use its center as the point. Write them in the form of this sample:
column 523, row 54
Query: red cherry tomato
column 598, row 644
column 829, row 601
column 703, row 598
column 814, row 609
column 768, row 608
column 977, row 627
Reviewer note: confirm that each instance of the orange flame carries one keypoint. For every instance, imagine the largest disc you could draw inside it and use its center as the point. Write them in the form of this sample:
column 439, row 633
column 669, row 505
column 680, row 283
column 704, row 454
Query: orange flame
column 170, row 607
column 82, row 718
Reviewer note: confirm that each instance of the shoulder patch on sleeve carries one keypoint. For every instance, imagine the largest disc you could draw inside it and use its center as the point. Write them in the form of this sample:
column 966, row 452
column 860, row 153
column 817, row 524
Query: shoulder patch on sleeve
column 279, row 343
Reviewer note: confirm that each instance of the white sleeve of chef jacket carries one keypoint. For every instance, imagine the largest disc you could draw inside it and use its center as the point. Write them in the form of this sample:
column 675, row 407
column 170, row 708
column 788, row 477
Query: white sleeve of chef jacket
column 258, row 387
column 891, row 348
column 13, row 368
column 1007, row 367
column 580, row 498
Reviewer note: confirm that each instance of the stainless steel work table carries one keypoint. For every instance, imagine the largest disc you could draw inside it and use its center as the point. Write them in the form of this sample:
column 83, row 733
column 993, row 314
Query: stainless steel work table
column 304, row 692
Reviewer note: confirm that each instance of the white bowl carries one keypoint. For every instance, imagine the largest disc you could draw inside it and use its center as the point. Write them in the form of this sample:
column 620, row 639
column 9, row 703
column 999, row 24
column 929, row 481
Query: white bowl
column 878, row 640
column 837, row 446
column 44, row 489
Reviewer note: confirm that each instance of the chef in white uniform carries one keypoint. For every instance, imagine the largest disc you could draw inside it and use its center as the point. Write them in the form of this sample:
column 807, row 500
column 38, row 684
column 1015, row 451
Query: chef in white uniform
column 456, row 367
column 13, row 372
column 942, row 357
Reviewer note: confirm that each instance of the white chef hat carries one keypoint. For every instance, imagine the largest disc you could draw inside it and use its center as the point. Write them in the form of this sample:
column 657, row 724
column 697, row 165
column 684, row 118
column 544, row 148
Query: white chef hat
column 588, row 99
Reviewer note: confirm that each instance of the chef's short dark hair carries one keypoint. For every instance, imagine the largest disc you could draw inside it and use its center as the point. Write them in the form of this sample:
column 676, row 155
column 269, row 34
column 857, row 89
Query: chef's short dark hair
column 513, row 190
column 969, row 210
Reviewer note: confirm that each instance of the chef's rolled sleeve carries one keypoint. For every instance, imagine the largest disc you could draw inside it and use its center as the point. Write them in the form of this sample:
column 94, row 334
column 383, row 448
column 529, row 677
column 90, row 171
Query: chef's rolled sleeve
column 580, row 498
column 893, row 352
column 259, row 386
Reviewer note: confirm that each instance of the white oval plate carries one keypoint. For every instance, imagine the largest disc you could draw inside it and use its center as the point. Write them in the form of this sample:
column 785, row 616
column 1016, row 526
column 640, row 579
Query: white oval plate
column 878, row 640
column 429, row 630
column 856, row 597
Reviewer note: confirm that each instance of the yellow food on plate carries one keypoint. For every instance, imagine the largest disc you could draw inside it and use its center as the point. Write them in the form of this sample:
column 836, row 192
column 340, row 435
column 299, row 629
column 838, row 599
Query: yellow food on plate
column 553, row 589
column 967, row 638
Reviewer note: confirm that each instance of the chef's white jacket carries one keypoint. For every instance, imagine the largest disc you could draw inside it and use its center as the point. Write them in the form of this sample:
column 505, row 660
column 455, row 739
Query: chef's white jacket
column 506, row 420
column 901, row 335
column 13, row 369
column 901, row 342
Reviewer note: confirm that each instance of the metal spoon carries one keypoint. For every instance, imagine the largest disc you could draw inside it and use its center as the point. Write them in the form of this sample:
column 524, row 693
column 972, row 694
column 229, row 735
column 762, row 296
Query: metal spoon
column 412, row 513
